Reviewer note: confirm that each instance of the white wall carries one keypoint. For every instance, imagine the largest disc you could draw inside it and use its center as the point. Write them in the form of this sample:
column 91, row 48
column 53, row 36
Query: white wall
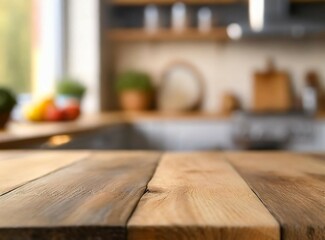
column 226, row 66
column 83, row 48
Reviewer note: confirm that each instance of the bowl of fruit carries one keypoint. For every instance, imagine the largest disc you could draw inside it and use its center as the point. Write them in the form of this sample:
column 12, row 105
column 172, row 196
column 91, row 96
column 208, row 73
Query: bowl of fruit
column 48, row 110
column 65, row 106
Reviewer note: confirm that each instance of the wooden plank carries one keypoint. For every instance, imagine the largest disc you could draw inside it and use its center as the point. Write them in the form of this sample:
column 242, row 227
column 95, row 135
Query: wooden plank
column 200, row 196
column 91, row 199
column 17, row 168
column 7, row 154
column 291, row 186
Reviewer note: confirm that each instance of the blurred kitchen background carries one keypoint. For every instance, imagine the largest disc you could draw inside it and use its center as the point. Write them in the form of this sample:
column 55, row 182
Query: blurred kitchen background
column 257, row 66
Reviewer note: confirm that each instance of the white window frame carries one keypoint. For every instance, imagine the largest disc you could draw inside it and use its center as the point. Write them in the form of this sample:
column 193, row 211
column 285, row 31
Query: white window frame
column 48, row 48
column 68, row 44
column 48, row 63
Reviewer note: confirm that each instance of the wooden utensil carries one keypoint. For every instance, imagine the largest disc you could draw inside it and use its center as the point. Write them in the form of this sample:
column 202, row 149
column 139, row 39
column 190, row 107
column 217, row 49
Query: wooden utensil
column 272, row 90
column 229, row 104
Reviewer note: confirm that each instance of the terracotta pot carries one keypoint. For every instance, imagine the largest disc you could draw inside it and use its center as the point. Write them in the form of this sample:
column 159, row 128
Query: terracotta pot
column 4, row 118
column 134, row 100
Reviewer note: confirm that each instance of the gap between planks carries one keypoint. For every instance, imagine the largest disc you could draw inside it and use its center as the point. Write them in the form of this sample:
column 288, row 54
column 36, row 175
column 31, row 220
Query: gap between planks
column 291, row 186
column 97, row 194
column 256, row 193
column 181, row 203
column 145, row 190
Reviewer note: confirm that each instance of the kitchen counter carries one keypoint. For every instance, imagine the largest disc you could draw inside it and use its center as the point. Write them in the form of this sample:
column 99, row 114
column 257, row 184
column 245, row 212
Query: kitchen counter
column 23, row 130
column 154, row 195
column 158, row 131
column 17, row 132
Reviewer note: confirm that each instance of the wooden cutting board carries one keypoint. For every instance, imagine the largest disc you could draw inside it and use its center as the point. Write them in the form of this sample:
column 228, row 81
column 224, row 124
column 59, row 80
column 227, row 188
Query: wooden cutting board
column 272, row 91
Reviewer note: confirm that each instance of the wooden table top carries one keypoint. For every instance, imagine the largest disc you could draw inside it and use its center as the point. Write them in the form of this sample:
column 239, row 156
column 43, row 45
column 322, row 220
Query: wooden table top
column 152, row 195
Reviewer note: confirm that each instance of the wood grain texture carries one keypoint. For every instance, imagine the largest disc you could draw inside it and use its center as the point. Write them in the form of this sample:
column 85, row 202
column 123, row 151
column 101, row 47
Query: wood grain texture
column 200, row 196
column 291, row 186
column 91, row 199
column 17, row 168
column 5, row 154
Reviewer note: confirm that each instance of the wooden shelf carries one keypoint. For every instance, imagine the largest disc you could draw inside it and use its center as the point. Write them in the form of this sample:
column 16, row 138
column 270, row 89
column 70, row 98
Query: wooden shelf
column 131, row 35
column 169, row 2
column 307, row 1
column 192, row 2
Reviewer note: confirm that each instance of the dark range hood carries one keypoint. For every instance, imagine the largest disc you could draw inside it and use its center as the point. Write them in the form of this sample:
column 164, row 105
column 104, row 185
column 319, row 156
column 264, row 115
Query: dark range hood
column 274, row 18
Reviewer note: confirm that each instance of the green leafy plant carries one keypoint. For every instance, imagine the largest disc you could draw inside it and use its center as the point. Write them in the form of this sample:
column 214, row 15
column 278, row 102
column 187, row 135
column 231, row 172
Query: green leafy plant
column 7, row 100
column 71, row 88
column 133, row 80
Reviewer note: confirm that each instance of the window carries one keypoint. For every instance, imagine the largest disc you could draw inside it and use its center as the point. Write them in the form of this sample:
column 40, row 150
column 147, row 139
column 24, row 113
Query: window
column 34, row 35
column 15, row 45
column 30, row 45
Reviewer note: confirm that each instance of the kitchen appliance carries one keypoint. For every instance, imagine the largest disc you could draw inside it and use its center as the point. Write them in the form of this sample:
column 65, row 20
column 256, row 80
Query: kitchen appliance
column 270, row 131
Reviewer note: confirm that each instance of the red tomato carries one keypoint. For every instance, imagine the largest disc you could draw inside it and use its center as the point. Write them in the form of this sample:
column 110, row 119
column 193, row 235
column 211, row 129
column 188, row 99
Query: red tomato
column 52, row 113
column 71, row 111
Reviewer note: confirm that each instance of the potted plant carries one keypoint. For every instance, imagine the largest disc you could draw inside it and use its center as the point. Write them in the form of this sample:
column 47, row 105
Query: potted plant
column 135, row 90
column 7, row 103
column 69, row 90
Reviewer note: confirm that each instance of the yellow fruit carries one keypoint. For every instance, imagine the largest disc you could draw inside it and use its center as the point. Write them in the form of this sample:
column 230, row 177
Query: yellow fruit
column 33, row 113
column 36, row 111
column 47, row 101
column 44, row 103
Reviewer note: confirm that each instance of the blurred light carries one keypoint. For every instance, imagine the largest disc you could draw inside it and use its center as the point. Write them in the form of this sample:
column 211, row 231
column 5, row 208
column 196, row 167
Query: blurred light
column 234, row 31
column 59, row 140
column 256, row 14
